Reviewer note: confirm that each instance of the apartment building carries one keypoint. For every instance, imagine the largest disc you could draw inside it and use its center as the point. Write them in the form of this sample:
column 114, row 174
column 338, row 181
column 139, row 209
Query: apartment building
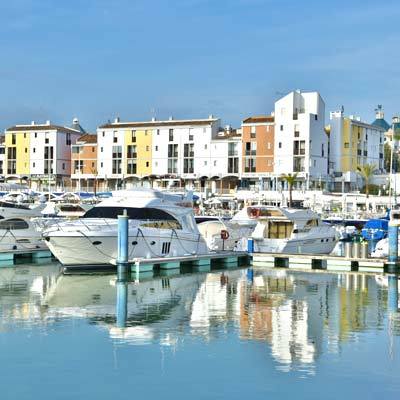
column 301, row 144
column 84, row 163
column 193, row 153
column 258, row 152
column 40, row 153
column 353, row 143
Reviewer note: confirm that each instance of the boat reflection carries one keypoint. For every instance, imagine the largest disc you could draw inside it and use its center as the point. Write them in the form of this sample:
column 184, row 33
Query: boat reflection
column 298, row 316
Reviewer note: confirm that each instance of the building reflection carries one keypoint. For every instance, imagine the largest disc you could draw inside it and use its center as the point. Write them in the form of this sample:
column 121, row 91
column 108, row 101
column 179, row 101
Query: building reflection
column 297, row 315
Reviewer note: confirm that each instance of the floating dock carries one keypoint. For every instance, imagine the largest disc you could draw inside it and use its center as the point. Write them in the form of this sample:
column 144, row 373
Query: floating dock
column 228, row 259
column 318, row 261
column 10, row 256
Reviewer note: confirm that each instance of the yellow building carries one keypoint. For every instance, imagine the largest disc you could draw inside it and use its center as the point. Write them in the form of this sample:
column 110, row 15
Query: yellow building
column 17, row 153
column 138, row 152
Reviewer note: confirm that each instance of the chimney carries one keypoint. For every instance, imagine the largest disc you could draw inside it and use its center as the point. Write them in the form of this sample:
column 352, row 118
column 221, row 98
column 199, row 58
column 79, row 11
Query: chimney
column 116, row 120
column 211, row 116
column 171, row 118
column 33, row 123
column 48, row 122
column 153, row 119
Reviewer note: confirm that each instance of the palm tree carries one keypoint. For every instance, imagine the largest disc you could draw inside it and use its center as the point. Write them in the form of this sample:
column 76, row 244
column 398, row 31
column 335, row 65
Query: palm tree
column 366, row 171
column 289, row 179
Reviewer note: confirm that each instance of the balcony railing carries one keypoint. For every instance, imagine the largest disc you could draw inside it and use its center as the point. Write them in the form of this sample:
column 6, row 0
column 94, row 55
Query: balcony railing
column 251, row 152
column 249, row 169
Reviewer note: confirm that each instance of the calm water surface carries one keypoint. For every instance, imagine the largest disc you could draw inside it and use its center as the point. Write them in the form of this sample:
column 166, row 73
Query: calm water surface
column 220, row 335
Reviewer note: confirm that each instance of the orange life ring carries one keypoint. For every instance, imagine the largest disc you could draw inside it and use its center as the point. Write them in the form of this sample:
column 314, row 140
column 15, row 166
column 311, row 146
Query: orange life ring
column 224, row 234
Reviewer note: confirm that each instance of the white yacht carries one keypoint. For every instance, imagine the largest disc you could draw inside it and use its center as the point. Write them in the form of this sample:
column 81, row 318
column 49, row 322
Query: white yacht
column 160, row 225
column 20, row 234
column 288, row 230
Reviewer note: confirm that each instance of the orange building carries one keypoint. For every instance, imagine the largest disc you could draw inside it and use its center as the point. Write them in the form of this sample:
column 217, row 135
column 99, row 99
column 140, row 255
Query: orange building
column 258, row 150
column 84, row 163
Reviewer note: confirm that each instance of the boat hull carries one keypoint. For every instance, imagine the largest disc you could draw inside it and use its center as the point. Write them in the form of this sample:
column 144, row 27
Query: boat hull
column 80, row 249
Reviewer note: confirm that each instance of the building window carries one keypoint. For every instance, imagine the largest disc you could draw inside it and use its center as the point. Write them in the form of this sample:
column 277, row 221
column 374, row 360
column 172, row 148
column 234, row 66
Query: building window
column 171, row 135
column 92, row 164
column 205, row 163
column 322, row 150
column 147, row 163
column 190, row 137
column 34, row 150
column 156, row 148
column 131, row 167
column 205, row 147
column 215, row 163
column 269, row 146
column 35, row 134
column 158, row 132
column 316, row 117
column 346, row 145
column 63, row 166
column 145, row 132
column 281, row 128
column 115, row 136
column 26, row 149
column 13, row 138
column 147, row 148
column 33, row 165
column 92, row 149
column 101, row 149
column 116, row 166
column 253, row 132
column 104, row 134
column 101, row 165
column 280, row 145
column 68, row 139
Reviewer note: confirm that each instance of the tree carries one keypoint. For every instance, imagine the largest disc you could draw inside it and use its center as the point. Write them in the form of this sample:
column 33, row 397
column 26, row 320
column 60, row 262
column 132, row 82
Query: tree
column 289, row 179
column 366, row 172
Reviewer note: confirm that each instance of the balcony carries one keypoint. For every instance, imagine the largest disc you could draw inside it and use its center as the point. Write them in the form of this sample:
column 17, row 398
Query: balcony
column 251, row 152
column 250, row 169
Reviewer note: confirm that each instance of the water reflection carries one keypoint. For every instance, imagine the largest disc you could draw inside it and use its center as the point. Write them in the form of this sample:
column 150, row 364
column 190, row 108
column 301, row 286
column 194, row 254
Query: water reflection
column 298, row 316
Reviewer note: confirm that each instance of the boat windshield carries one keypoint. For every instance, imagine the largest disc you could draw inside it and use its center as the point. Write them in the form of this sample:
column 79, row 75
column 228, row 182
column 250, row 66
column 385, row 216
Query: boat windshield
column 13, row 223
column 133, row 213
column 5, row 204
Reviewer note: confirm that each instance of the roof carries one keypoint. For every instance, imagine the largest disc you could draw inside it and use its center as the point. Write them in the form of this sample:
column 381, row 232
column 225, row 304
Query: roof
column 87, row 138
column 36, row 128
column 381, row 123
column 150, row 124
column 259, row 119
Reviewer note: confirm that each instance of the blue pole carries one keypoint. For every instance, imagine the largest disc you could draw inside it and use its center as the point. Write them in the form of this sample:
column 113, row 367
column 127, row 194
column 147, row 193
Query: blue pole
column 122, row 303
column 250, row 245
column 393, row 246
column 250, row 274
column 393, row 292
column 123, row 241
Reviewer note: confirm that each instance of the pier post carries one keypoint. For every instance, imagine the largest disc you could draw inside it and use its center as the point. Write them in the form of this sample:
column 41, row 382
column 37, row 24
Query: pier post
column 123, row 243
column 122, row 270
column 393, row 237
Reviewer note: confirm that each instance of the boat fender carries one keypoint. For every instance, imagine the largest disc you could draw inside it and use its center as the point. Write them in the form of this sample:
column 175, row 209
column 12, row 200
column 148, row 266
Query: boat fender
column 255, row 212
column 224, row 234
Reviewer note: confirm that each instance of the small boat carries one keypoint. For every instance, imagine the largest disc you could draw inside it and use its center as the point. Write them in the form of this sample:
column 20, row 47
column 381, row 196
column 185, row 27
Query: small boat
column 9, row 209
column 288, row 230
column 160, row 225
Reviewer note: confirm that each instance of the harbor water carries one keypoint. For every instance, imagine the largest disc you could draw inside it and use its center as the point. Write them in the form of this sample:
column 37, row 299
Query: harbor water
column 222, row 334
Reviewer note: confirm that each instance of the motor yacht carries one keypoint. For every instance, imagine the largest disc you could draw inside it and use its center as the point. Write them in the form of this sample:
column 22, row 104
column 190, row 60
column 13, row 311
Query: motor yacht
column 160, row 225
column 20, row 234
column 288, row 230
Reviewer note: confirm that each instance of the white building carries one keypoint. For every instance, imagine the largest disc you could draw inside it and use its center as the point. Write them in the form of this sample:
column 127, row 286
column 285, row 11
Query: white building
column 40, row 153
column 301, row 144
column 167, row 153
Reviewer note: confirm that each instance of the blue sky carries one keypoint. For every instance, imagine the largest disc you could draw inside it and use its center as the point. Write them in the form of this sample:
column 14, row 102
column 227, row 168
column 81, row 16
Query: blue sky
column 96, row 59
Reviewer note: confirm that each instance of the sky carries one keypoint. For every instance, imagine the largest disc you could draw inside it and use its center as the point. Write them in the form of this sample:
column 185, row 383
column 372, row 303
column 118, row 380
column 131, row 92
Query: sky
column 98, row 59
